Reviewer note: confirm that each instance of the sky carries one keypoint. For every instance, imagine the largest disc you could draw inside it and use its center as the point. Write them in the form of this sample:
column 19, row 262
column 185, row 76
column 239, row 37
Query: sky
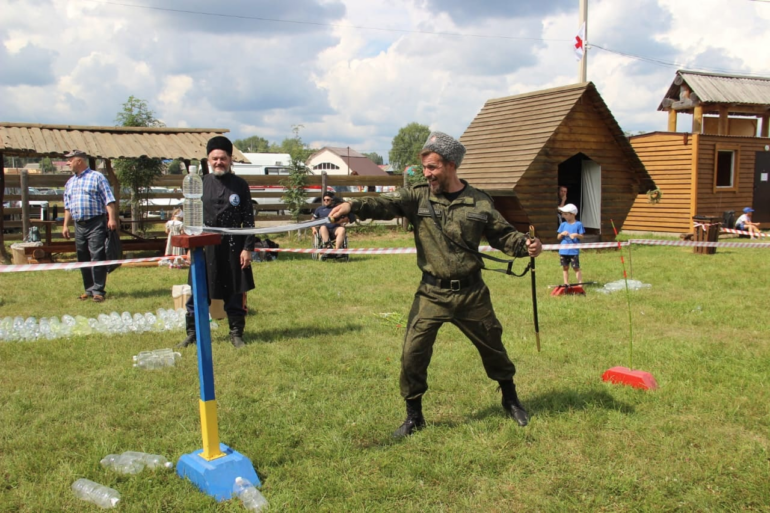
column 353, row 72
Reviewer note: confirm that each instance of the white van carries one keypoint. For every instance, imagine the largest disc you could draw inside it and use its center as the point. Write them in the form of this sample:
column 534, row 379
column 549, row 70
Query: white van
column 264, row 164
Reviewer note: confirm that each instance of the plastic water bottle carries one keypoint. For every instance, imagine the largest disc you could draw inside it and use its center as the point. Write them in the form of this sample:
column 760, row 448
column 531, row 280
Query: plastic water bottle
column 132, row 462
column 151, row 360
column 192, row 188
column 250, row 496
column 100, row 495
column 151, row 461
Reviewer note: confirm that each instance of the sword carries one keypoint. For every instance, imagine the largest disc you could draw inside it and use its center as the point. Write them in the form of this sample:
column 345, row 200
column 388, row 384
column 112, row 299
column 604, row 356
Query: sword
column 269, row 229
column 534, row 288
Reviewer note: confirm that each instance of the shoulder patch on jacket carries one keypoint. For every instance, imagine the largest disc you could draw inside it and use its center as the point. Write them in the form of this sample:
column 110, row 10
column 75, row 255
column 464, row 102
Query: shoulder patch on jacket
column 477, row 216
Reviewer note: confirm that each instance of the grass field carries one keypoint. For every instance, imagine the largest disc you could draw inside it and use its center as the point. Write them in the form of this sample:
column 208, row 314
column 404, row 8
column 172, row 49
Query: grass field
column 313, row 398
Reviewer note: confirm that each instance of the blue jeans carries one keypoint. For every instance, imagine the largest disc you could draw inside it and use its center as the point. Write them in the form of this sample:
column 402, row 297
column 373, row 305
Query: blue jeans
column 90, row 237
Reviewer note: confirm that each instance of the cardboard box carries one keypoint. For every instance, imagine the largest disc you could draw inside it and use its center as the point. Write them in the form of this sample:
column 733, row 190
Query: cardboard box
column 180, row 293
column 217, row 309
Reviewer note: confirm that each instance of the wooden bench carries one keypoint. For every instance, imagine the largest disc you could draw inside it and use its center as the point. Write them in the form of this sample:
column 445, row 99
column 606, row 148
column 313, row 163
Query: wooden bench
column 42, row 253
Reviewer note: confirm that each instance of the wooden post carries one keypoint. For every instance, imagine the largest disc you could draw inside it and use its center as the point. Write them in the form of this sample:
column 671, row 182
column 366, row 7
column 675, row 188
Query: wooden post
column 724, row 127
column 672, row 120
column 697, row 119
column 204, row 167
column 3, row 252
column 324, row 183
column 24, row 178
column 92, row 163
column 694, row 178
column 583, row 65
column 764, row 132
column 404, row 220
column 113, row 179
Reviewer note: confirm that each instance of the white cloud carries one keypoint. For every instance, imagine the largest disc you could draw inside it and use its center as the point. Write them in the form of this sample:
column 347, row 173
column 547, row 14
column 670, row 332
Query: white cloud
column 347, row 85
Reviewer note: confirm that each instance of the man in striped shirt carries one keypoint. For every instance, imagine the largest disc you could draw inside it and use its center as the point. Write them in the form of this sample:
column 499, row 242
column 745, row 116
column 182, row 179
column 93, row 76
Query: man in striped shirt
column 89, row 202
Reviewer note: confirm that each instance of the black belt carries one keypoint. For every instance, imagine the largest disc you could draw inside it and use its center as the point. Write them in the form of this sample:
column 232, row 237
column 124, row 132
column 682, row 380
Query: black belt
column 461, row 283
column 86, row 221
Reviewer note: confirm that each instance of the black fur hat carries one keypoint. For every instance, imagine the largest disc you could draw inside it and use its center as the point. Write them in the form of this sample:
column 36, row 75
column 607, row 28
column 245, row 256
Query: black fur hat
column 220, row 142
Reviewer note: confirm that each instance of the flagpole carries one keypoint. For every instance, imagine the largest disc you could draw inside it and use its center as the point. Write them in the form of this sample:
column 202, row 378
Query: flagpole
column 583, row 64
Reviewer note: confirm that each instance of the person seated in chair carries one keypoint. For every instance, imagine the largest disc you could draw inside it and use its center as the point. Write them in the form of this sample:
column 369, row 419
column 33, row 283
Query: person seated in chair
column 329, row 230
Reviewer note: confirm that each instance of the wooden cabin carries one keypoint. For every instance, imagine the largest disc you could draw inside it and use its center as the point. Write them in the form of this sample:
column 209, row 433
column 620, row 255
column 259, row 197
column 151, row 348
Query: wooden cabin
column 520, row 149
column 722, row 166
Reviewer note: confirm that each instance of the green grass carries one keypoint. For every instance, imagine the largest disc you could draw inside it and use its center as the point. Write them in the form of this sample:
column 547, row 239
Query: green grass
column 314, row 397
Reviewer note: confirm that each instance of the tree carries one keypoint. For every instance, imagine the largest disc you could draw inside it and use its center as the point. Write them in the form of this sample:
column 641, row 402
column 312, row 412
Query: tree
column 175, row 167
column 295, row 195
column 46, row 166
column 136, row 112
column 375, row 157
column 138, row 174
column 406, row 146
column 253, row 144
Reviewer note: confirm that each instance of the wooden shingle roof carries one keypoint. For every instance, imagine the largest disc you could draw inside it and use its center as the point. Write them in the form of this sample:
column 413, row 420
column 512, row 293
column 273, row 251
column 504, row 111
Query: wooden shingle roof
column 736, row 90
column 108, row 142
column 509, row 133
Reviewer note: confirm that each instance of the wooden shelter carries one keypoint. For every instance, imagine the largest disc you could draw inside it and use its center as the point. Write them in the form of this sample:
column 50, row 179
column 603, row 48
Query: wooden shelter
column 520, row 149
column 100, row 142
column 723, row 166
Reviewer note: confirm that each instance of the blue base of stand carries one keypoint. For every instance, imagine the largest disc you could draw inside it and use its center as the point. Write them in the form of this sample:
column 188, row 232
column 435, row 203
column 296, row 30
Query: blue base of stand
column 216, row 477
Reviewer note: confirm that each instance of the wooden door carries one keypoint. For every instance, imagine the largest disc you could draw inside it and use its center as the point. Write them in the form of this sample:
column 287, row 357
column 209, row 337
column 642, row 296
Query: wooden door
column 761, row 200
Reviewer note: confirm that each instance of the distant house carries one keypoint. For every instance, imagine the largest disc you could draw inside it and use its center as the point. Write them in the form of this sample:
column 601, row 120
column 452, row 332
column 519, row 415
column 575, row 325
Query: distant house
column 521, row 148
column 342, row 161
column 722, row 166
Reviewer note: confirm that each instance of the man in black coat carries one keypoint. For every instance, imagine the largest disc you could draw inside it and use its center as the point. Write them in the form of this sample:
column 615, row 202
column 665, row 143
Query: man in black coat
column 226, row 204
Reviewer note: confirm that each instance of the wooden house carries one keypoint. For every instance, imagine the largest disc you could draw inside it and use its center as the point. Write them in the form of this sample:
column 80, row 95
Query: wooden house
column 520, row 149
column 722, row 166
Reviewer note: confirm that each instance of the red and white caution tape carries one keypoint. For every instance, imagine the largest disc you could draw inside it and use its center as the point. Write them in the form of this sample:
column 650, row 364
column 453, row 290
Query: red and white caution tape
column 69, row 266
column 743, row 232
column 699, row 244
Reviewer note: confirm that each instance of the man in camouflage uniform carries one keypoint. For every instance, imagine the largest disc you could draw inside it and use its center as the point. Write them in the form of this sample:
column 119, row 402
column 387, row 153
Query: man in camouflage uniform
column 452, row 289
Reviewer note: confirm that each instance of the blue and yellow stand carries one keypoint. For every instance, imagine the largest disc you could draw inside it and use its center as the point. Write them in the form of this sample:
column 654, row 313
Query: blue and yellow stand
column 214, row 468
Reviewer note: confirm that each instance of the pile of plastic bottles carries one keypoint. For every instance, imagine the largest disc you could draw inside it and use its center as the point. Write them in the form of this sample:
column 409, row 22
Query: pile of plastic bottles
column 156, row 359
column 18, row 329
column 132, row 462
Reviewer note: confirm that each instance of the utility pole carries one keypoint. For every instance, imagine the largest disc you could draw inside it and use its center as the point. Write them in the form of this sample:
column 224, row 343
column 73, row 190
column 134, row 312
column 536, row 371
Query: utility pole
column 583, row 27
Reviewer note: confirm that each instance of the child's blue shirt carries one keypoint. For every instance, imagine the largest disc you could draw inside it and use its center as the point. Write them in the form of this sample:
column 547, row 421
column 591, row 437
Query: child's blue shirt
column 576, row 227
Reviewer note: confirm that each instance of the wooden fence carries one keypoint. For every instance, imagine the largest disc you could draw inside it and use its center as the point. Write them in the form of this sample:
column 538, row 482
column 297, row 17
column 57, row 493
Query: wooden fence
column 18, row 219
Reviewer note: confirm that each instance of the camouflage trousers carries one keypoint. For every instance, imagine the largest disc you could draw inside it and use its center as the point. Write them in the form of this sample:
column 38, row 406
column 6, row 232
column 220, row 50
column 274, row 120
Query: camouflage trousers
column 469, row 309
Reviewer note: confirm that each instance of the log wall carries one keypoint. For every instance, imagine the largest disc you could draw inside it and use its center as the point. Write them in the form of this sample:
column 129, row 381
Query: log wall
column 667, row 156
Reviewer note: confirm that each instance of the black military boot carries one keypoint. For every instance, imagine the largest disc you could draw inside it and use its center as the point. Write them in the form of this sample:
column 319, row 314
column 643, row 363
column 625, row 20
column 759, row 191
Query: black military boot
column 190, row 327
column 414, row 419
column 237, row 324
column 511, row 403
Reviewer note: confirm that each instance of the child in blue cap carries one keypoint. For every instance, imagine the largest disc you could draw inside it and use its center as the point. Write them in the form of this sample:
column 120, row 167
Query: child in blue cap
column 745, row 223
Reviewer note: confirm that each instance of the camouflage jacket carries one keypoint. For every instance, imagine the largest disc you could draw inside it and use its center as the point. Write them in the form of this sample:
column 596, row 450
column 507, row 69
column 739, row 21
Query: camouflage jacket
column 466, row 220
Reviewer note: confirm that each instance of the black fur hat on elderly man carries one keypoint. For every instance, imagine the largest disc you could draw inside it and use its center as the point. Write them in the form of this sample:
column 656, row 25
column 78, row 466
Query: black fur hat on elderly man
column 220, row 142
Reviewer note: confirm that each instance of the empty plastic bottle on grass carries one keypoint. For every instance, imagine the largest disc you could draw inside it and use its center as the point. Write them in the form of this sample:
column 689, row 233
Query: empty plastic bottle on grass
column 156, row 359
column 100, row 495
column 249, row 495
column 151, row 461
column 133, row 462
